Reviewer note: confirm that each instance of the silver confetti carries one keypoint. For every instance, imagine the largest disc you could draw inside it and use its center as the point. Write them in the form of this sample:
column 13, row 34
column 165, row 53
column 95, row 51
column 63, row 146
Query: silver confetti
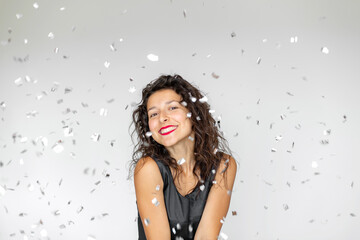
column 222, row 236
column 233, row 34
column 62, row 8
column 58, row 148
column 95, row 137
column 191, row 138
column 178, row 226
column 327, row 132
column 314, row 164
column 189, row 114
column 273, row 150
column 202, row 187
column 51, row 35
column 214, row 75
column 90, row 237
column 190, row 228
column 107, row 64
column 36, row 5
column 213, row 171
column 198, row 118
column 19, row 81
column 2, row 191
column 148, row 134
column 181, row 161
column 174, row 231
column 258, row 60
column 18, row 15
column 203, row 99
column 325, row 50
column 155, row 202
column 222, row 220
column 211, row 111
column 103, row 112
column 286, row 207
column 157, row 187
column 278, row 138
column 179, row 238
column 184, row 13
column 193, row 99
column 184, row 103
column 153, row 57
column 294, row 39
column 132, row 89
column 2, row 106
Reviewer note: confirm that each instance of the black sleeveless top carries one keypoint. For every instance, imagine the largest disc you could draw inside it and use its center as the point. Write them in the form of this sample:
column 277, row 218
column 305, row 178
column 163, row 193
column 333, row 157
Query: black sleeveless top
column 184, row 212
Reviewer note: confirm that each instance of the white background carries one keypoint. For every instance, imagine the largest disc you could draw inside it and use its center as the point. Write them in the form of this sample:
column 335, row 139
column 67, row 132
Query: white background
column 275, row 78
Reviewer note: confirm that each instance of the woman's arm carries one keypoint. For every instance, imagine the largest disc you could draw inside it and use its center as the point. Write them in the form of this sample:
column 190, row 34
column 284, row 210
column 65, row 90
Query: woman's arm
column 146, row 177
column 217, row 204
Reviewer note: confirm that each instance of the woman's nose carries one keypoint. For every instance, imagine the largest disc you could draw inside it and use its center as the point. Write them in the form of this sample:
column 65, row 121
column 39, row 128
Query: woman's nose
column 163, row 117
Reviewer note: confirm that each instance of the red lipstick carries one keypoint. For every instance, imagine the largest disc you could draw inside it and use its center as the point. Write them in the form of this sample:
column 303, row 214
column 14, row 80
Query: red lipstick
column 167, row 127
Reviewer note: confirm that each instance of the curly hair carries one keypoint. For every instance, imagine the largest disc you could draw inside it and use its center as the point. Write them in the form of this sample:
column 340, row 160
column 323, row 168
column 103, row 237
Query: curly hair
column 210, row 145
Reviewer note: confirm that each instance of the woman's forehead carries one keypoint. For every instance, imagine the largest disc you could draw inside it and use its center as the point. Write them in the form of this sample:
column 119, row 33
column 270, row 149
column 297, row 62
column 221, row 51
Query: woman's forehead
column 161, row 96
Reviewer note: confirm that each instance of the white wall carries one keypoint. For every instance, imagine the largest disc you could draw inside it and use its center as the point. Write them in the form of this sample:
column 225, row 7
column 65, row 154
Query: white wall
column 296, row 88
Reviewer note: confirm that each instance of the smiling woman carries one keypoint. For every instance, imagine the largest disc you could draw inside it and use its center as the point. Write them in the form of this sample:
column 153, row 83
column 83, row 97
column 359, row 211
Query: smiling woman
column 183, row 170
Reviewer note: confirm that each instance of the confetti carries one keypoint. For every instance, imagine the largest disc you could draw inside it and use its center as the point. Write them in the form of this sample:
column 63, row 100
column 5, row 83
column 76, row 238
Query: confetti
column 325, row 50
column 68, row 132
column 193, row 99
column 95, row 137
column 58, row 148
column 184, row 13
column 178, row 226
column 198, row 118
column 51, row 35
column 132, row 89
column 184, row 103
column 153, row 57
column 214, row 75
column 214, row 182
column 19, row 81
column 2, row 191
column 211, row 111
column 181, row 161
column 273, row 150
column 103, row 112
column 90, row 237
column 157, row 187
column 36, row 5
column 203, row 99
column 222, row 220
column 314, row 164
column 26, row 41
column 258, row 60
column 233, row 34
column 179, row 238
column 188, row 114
column 327, row 132
column 191, row 138
column 174, row 231
column 278, row 138
column 213, row 171
column 202, row 187
column 107, row 64
column 352, row 214
column 324, row 141
column 286, row 207
column 234, row 213
column 148, row 134
column 146, row 221
column 222, row 236
column 62, row 8
column 2, row 106
column 190, row 228
column 155, row 202
column 112, row 47
column 19, row 15
column 294, row 39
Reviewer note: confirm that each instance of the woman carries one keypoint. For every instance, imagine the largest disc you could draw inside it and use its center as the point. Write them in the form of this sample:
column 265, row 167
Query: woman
column 183, row 178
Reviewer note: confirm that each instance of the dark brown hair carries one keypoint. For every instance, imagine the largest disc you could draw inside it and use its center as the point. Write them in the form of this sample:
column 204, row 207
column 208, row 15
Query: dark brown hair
column 210, row 145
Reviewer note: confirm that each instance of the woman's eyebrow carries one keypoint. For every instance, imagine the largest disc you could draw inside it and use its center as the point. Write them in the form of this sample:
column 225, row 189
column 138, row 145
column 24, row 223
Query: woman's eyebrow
column 168, row 102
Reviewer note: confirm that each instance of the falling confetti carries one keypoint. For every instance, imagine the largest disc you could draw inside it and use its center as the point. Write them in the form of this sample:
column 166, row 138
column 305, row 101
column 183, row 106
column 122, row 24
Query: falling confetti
column 181, row 161
column 18, row 15
column 103, row 112
column 203, row 99
column 95, row 137
column 58, row 148
column 191, row 138
column 36, row 5
column 222, row 220
column 148, row 134
column 325, row 50
column 51, row 35
column 90, row 237
column 132, row 89
column 157, row 187
column 202, row 187
column 2, row 191
column 184, row 13
column 258, row 60
column 155, row 202
column 198, row 118
column 278, row 138
column 233, row 34
column 2, row 106
column 222, row 236
column 189, row 114
column 193, row 99
column 190, row 228
column 314, row 164
column 286, row 207
column 153, row 57
column 214, row 75
column 19, row 81
column 146, row 221
column 294, row 39
column 107, row 64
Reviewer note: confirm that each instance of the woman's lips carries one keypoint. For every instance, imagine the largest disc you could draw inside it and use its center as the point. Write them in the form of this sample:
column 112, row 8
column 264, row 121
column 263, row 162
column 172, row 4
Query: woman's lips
column 167, row 130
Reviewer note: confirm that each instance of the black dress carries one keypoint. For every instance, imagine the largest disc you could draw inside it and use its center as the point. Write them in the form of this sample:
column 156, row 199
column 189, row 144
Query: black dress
column 184, row 212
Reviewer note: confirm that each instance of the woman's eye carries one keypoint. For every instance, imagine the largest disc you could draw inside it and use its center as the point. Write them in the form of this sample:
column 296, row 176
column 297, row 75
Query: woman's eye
column 172, row 108
column 153, row 115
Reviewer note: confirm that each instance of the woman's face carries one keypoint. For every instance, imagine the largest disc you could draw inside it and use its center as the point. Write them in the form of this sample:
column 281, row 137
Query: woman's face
column 168, row 120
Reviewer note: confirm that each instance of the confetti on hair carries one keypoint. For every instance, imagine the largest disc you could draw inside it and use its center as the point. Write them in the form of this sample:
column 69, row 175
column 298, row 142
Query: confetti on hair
column 203, row 99
column 148, row 134
column 181, row 161
column 188, row 115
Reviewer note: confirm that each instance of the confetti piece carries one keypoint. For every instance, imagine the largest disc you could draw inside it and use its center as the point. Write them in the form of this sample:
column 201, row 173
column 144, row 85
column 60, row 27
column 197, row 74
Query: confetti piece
column 198, row 118
column 213, row 171
column 190, row 228
column 157, row 187
column 222, row 220
column 184, row 103
column 56, row 50
column 146, row 221
column 202, row 187
column 62, row 8
column 148, row 134
column 19, row 15
column 36, row 5
column 107, row 64
column 112, row 47
column 2, row 191
column 233, row 34
column 214, row 75
column 258, row 60
column 278, row 138
column 184, row 13
column 211, row 111
column 155, row 202
column 51, row 35
column 191, row 138
column 132, row 89
column 193, row 99
column 222, row 236
column 90, row 237
column 352, row 214
column 286, row 207
column 294, row 39
column 178, row 226
column 103, row 112
column 234, row 213
column 327, row 132
column 68, row 132
column 181, row 161
column 2, row 106
column 19, row 81
column 95, row 137
column 188, row 114
column 273, row 150
column 314, row 164
column 325, row 50
column 214, row 182
column 174, row 231
column 324, row 141
column 153, row 57
column 203, row 99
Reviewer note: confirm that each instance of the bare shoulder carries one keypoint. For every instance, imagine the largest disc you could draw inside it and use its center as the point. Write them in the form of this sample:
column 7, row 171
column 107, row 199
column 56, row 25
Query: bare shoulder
column 228, row 164
column 147, row 171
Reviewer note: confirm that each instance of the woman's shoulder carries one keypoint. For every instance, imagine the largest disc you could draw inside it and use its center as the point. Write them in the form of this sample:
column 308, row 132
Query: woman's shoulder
column 228, row 163
column 147, row 171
